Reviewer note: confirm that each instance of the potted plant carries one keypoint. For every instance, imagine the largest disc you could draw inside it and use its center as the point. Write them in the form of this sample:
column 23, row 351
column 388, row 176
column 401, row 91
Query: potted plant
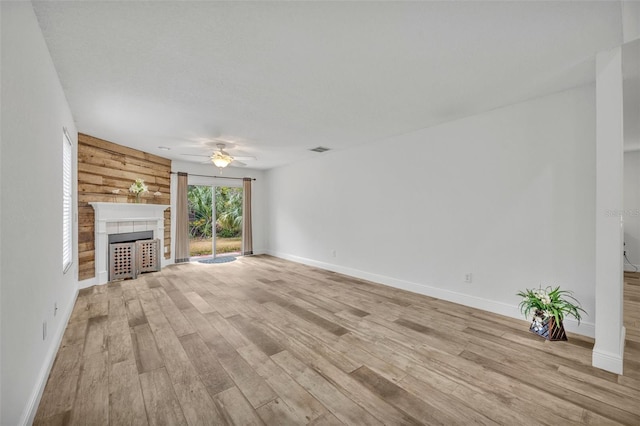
column 550, row 306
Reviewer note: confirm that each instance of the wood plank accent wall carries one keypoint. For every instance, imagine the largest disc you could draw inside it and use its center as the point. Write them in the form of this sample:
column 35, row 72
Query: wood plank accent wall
column 104, row 167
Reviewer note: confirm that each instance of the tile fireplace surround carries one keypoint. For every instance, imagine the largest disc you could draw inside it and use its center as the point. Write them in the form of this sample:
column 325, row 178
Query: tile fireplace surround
column 116, row 218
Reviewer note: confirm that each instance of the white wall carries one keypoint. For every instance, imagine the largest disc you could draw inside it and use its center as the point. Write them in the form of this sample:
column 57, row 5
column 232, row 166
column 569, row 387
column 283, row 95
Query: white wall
column 631, row 98
column 507, row 195
column 630, row 20
column 632, row 208
column 258, row 195
column 631, row 94
column 0, row 227
column 34, row 112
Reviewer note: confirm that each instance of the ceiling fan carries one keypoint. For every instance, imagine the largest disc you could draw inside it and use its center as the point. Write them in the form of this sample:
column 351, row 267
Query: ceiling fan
column 222, row 158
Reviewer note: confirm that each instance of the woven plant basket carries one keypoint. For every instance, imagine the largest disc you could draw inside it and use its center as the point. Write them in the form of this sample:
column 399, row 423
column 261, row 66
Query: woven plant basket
column 547, row 328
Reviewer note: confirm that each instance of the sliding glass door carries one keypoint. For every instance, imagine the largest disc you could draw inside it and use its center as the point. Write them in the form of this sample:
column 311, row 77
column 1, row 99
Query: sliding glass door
column 228, row 209
column 200, row 207
column 222, row 236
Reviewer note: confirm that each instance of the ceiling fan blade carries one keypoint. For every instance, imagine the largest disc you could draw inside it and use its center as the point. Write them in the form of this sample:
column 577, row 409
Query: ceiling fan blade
column 238, row 163
column 196, row 155
column 243, row 158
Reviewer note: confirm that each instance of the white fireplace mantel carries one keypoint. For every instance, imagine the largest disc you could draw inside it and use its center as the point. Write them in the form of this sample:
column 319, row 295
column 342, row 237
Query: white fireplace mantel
column 110, row 216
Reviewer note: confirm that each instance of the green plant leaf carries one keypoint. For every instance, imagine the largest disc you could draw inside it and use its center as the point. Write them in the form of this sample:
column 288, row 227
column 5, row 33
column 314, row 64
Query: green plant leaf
column 561, row 303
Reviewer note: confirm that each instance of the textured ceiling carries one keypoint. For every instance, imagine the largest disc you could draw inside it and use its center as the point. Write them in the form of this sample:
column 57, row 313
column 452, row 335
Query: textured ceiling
column 279, row 78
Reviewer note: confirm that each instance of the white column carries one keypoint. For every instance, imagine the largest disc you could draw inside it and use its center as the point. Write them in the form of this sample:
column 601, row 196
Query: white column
column 99, row 243
column 160, row 235
column 101, row 257
column 608, row 351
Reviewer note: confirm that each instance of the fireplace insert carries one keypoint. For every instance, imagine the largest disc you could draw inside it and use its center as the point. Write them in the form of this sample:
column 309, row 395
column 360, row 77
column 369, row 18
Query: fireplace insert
column 133, row 253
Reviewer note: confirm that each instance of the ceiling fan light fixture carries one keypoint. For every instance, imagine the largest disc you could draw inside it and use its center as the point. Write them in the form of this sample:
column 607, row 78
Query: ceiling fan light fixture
column 221, row 160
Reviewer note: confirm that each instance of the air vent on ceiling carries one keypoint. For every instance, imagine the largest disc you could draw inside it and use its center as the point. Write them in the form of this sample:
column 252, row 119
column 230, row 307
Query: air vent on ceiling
column 319, row 149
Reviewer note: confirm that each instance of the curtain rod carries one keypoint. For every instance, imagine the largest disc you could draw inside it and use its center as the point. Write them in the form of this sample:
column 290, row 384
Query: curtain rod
column 215, row 177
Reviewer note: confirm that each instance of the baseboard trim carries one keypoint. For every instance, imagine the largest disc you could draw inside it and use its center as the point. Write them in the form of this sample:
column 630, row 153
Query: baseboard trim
column 628, row 267
column 584, row 329
column 31, row 409
column 87, row 283
column 609, row 361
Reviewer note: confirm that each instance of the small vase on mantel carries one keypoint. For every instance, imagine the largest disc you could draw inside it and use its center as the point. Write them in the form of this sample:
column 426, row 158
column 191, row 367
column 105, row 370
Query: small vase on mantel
column 138, row 188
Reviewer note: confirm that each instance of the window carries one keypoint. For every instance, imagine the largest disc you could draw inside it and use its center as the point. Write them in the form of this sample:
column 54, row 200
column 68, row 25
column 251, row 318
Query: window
column 67, row 205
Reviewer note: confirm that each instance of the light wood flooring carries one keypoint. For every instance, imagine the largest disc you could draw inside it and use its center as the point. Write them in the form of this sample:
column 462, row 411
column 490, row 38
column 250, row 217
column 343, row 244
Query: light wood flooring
column 266, row 341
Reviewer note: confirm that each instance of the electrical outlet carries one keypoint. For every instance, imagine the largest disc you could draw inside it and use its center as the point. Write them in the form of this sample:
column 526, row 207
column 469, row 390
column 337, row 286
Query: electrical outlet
column 44, row 330
column 166, row 249
column 333, row 253
column 468, row 277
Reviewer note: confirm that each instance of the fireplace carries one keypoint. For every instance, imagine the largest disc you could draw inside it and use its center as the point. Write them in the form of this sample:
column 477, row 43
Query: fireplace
column 112, row 219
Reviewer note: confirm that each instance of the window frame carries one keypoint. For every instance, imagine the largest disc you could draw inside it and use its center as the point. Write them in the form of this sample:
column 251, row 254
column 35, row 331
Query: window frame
column 67, row 202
